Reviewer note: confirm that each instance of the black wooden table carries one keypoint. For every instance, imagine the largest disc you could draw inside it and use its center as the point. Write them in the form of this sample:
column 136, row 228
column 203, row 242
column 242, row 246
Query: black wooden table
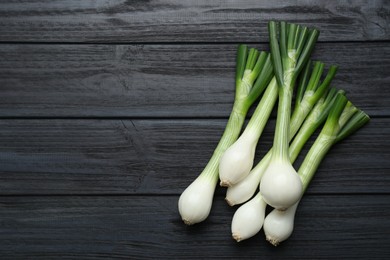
column 109, row 109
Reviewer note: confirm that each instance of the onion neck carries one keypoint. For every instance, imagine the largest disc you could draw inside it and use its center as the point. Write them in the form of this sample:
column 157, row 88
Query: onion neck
column 314, row 157
column 263, row 110
column 230, row 135
column 281, row 139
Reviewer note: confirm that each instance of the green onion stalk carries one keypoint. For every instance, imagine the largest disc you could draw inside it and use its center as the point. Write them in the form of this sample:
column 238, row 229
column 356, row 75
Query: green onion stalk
column 310, row 90
column 248, row 219
column 237, row 160
column 291, row 46
column 343, row 120
column 253, row 73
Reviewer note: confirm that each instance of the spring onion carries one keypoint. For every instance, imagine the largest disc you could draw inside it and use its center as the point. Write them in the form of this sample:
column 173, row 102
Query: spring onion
column 343, row 120
column 237, row 161
column 280, row 185
column 310, row 89
column 253, row 73
column 248, row 219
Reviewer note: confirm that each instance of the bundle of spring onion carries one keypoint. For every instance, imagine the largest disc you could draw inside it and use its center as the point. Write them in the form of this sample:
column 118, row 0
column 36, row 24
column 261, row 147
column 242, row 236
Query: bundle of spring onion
column 280, row 185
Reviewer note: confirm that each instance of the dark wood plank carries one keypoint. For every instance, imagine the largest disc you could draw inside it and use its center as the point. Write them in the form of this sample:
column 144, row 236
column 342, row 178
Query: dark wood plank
column 160, row 156
column 186, row 21
column 150, row 227
column 161, row 80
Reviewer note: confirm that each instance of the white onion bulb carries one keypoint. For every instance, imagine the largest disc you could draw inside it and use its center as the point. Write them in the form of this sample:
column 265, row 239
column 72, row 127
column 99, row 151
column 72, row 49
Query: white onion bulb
column 248, row 219
column 195, row 202
column 280, row 185
column 279, row 225
column 237, row 160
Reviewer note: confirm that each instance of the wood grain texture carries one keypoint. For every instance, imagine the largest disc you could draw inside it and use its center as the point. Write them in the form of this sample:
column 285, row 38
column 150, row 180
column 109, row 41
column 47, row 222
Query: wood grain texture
column 186, row 21
column 161, row 156
column 161, row 80
column 326, row 227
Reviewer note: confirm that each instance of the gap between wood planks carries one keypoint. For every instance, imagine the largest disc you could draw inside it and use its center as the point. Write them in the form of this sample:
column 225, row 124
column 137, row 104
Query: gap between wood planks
column 171, row 43
column 217, row 196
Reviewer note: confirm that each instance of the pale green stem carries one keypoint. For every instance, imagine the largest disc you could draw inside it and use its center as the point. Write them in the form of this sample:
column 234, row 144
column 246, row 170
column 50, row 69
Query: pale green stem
column 282, row 130
column 230, row 135
column 348, row 112
column 300, row 114
column 314, row 157
column 260, row 117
